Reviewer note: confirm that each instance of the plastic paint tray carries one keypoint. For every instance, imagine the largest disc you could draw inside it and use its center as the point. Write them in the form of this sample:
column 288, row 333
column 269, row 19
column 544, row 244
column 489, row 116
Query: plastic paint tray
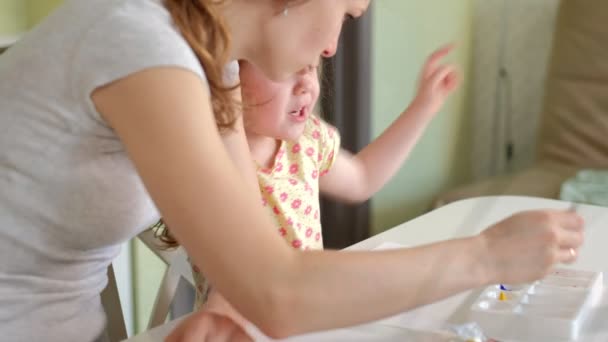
column 555, row 306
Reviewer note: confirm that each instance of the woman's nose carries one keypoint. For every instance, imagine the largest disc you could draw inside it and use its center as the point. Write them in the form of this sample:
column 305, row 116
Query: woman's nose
column 330, row 51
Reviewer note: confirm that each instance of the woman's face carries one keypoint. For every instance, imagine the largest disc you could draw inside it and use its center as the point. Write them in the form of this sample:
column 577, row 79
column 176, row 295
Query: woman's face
column 295, row 39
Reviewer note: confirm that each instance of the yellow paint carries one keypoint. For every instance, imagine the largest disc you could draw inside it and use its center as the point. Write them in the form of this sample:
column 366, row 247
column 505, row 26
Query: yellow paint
column 502, row 296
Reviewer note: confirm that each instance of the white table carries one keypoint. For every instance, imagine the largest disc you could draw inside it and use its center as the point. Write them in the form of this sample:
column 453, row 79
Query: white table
column 460, row 219
column 8, row 40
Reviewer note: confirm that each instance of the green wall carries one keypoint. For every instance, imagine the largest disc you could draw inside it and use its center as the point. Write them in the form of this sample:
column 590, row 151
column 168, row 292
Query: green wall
column 148, row 271
column 405, row 33
column 38, row 9
column 13, row 16
column 17, row 16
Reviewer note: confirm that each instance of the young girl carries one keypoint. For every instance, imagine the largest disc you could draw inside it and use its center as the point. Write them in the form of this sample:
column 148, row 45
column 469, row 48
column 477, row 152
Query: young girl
column 298, row 155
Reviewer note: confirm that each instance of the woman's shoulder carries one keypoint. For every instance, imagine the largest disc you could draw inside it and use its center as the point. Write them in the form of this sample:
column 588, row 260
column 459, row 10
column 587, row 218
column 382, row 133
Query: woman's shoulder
column 128, row 36
column 138, row 32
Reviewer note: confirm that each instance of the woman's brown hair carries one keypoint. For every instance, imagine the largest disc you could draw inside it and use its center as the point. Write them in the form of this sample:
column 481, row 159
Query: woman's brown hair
column 203, row 27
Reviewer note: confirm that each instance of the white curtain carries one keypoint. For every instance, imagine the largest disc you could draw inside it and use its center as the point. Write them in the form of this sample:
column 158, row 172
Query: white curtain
column 517, row 35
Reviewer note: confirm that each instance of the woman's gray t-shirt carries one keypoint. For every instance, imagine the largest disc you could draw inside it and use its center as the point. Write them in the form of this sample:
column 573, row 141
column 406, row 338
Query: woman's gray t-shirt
column 69, row 195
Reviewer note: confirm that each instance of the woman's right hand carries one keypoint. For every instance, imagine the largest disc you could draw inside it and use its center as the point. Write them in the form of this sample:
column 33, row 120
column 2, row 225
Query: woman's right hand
column 217, row 303
column 206, row 325
column 525, row 246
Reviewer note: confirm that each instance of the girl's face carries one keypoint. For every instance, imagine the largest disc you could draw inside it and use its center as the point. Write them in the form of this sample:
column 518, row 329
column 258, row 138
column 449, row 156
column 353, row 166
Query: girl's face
column 278, row 109
column 296, row 39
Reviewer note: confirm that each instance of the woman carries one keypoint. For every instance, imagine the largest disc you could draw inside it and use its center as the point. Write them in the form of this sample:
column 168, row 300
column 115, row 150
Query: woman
column 111, row 108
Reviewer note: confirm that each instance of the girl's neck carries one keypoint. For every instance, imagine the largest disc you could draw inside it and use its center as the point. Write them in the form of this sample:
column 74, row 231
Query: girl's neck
column 263, row 149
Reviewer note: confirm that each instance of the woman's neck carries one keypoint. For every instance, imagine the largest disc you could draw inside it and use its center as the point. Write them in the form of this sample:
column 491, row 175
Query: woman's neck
column 241, row 27
column 263, row 149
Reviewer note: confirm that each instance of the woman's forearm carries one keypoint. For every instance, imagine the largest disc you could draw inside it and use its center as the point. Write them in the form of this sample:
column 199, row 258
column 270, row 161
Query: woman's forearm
column 334, row 289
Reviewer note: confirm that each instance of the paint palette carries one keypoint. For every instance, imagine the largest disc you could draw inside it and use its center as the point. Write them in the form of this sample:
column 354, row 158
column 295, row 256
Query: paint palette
column 554, row 307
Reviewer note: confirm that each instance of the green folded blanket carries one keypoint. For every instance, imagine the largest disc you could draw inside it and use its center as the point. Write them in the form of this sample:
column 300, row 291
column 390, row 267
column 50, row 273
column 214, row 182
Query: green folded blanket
column 587, row 187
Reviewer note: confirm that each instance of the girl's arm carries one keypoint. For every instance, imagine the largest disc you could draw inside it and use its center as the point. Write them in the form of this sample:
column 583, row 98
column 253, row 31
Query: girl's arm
column 357, row 178
column 164, row 118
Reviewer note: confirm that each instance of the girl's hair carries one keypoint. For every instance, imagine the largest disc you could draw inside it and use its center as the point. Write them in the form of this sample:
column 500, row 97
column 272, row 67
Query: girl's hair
column 205, row 30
